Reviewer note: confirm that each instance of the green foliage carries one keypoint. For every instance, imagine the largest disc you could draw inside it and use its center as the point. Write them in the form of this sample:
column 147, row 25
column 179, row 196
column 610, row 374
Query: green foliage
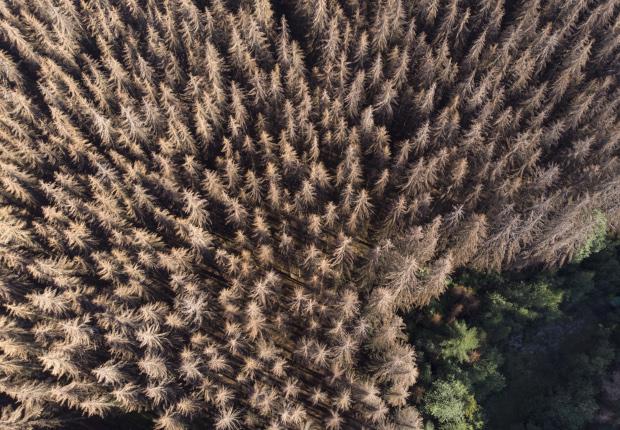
column 531, row 349
column 485, row 374
column 463, row 340
column 511, row 308
column 452, row 405
column 596, row 241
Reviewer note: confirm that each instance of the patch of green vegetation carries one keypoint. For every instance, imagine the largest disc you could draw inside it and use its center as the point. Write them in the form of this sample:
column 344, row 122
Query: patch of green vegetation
column 521, row 351
column 596, row 242
column 452, row 405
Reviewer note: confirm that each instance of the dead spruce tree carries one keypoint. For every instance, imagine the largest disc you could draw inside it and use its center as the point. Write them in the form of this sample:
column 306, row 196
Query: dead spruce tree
column 212, row 212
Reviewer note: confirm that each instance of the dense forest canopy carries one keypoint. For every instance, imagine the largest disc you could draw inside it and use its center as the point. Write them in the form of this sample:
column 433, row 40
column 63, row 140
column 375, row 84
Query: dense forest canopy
column 523, row 351
column 214, row 213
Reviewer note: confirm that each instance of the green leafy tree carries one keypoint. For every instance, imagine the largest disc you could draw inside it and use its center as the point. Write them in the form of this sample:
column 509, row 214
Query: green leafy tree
column 596, row 241
column 463, row 340
column 451, row 404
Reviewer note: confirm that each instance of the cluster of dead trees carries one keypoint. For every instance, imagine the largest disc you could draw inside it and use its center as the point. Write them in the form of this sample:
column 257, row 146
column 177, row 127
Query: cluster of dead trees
column 213, row 212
